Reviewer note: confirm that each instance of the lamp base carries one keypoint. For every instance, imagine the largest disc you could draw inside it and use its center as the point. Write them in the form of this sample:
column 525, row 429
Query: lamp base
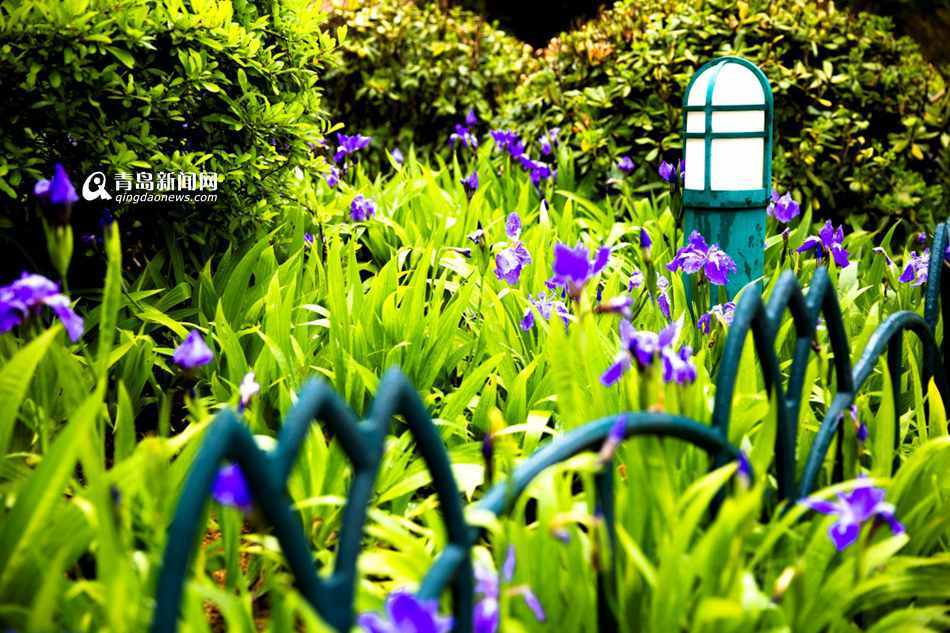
column 739, row 232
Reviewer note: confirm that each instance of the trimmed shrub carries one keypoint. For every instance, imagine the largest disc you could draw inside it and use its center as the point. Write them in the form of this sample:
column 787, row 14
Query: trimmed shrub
column 861, row 118
column 148, row 85
column 410, row 71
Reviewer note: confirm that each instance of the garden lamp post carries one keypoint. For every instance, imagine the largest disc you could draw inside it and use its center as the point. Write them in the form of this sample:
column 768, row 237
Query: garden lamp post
column 727, row 141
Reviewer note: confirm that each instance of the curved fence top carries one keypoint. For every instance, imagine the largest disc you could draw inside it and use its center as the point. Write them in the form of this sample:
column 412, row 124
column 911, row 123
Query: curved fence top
column 267, row 472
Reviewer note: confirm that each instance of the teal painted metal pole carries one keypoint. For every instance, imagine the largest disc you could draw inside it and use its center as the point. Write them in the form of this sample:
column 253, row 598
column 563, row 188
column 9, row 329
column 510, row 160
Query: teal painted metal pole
column 739, row 232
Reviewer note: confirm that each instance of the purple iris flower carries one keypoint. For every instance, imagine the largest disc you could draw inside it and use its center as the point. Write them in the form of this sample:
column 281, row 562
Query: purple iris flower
column 513, row 226
column 471, row 119
column 362, row 208
column 679, row 367
column 27, row 295
column 922, row 237
column 723, row 312
column 626, row 164
column 537, row 169
column 463, row 136
column 744, row 469
column 510, row 261
column 230, row 489
column 663, row 297
column 477, row 237
column 545, row 308
column 636, row 280
column 860, row 428
column 783, row 208
column 645, row 242
column 573, row 269
column 548, row 141
column 332, row 177
column 615, row 436
column 666, row 171
column 828, row 241
column 617, row 305
column 470, row 182
column 917, row 268
column 406, row 614
column 59, row 189
column 247, row 389
column 487, row 585
column 881, row 251
column 645, row 348
column 349, row 144
column 508, row 141
column 863, row 504
column 397, row 155
column 308, row 237
column 711, row 260
column 193, row 352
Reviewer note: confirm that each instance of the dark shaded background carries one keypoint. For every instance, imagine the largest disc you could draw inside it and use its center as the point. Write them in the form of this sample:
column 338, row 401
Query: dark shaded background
column 537, row 21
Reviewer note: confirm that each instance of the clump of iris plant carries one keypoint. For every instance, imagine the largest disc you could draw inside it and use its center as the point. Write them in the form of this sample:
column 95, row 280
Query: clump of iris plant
column 486, row 617
column 646, row 348
column 722, row 312
column 509, row 142
column 915, row 273
column 510, row 261
column 827, row 242
column 783, row 208
column 230, row 489
column 545, row 307
column 193, row 352
column 406, row 614
column 362, row 208
column 864, row 504
column 711, row 261
column 574, row 268
column 28, row 295
column 347, row 145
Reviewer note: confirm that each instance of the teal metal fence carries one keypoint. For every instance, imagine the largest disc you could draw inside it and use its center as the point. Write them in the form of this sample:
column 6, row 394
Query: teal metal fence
column 332, row 597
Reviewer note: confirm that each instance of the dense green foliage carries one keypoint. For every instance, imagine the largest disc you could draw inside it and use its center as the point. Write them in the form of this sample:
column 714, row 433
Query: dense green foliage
column 80, row 547
column 410, row 71
column 161, row 86
column 857, row 132
column 97, row 435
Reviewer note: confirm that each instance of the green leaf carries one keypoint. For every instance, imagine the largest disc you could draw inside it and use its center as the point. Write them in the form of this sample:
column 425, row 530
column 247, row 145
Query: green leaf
column 15, row 377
